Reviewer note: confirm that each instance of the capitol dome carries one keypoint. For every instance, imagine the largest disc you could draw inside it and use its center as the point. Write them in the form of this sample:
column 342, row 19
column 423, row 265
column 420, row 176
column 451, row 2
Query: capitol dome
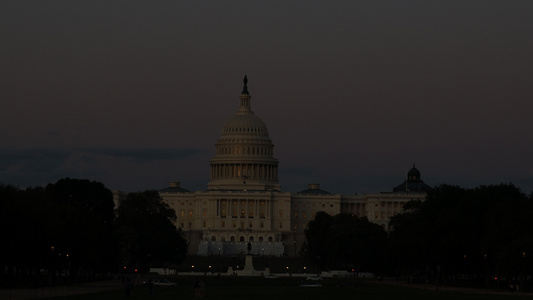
column 248, row 124
column 244, row 153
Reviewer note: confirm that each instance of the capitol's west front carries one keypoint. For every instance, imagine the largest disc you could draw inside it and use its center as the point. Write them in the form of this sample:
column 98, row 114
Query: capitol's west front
column 244, row 203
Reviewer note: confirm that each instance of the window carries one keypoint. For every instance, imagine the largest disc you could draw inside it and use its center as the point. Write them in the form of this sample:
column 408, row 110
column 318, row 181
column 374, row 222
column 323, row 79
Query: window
column 190, row 213
column 213, row 238
column 241, row 239
column 204, row 213
column 204, row 224
column 223, row 224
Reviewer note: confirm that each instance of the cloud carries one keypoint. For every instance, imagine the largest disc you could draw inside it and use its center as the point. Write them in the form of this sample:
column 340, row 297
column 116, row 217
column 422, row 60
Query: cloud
column 40, row 159
column 32, row 159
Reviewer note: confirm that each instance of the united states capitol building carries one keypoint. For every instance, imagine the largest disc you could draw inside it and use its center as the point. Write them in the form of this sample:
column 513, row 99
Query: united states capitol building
column 244, row 203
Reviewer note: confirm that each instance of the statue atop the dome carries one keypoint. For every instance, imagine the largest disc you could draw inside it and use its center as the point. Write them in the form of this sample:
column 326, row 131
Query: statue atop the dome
column 245, row 88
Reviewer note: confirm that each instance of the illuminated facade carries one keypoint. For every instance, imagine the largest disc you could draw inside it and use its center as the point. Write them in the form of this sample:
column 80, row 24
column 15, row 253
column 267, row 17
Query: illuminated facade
column 244, row 203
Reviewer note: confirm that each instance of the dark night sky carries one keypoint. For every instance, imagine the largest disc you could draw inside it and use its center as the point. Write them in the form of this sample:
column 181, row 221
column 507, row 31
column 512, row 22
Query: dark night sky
column 134, row 93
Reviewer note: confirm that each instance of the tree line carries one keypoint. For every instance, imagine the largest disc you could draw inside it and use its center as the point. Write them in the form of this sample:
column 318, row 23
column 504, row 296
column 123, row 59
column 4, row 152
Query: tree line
column 72, row 229
column 481, row 236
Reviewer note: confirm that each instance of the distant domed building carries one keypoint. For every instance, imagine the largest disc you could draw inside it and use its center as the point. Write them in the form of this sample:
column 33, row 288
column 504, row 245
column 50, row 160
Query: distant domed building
column 413, row 183
column 244, row 203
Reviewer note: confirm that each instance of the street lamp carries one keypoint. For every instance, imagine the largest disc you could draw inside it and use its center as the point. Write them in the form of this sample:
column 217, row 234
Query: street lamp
column 524, row 275
column 485, row 271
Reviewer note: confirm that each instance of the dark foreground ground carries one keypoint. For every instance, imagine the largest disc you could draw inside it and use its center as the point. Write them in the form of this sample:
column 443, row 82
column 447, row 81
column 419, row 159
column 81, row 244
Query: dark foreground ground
column 236, row 288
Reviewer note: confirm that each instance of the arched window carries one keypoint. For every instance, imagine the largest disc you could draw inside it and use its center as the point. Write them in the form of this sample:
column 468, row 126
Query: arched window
column 251, row 239
column 232, row 239
column 270, row 239
column 241, row 238
column 213, row 238
column 260, row 238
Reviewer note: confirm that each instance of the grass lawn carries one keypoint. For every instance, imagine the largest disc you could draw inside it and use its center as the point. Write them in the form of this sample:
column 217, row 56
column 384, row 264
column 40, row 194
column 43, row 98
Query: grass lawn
column 236, row 288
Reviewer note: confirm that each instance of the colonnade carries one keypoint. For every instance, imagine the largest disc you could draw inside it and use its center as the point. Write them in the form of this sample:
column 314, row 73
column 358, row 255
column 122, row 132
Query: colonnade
column 244, row 171
column 358, row 209
column 243, row 208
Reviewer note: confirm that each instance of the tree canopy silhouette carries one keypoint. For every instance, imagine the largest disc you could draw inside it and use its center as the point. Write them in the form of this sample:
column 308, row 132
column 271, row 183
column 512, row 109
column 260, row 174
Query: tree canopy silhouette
column 147, row 233
column 478, row 232
column 345, row 241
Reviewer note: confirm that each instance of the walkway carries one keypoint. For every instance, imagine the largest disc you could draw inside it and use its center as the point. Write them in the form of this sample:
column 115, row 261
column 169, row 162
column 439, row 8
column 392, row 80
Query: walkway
column 433, row 287
column 59, row 291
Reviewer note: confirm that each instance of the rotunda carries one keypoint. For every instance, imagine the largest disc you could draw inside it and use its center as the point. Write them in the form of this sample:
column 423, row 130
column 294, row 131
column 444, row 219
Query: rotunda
column 244, row 152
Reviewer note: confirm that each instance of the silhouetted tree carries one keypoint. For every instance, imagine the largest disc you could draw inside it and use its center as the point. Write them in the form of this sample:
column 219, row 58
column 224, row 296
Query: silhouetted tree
column 479, row 232
column 67, row 226
column 316, row 244
column 345, row 241
column 83, row 224
column 146, row 232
